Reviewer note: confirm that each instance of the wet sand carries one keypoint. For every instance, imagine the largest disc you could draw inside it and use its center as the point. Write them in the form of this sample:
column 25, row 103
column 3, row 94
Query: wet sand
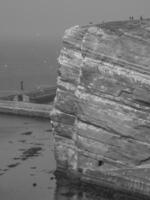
column 26, row 159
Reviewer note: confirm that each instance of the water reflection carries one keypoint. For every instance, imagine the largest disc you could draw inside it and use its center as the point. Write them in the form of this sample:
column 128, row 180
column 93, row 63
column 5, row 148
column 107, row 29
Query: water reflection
column 65, row 190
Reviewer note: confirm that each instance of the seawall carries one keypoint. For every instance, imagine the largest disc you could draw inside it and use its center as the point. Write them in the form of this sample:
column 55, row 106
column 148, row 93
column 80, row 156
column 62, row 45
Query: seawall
column 42, row 95
column 25, row 109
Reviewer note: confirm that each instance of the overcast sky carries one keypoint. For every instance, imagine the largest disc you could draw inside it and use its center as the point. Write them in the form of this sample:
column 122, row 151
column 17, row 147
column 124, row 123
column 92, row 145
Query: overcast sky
column 49, row 18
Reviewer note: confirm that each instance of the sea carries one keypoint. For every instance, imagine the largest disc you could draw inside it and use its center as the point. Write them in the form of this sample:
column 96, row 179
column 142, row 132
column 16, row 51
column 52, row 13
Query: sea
column 32, row 61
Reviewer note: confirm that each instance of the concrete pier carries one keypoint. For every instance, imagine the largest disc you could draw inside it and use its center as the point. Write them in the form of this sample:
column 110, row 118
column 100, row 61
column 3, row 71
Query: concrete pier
column 25, row 109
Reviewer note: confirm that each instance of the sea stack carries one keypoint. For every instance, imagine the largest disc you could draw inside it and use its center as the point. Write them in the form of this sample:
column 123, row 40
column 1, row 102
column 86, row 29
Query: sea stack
column 101, row 114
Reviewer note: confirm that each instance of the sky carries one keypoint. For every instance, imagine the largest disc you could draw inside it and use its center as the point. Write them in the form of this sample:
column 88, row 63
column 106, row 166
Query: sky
column 47, row 19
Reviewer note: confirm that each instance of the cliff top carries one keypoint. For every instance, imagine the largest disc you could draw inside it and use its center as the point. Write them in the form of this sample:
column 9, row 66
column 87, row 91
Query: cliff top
column 139, row 28
column 126, row 43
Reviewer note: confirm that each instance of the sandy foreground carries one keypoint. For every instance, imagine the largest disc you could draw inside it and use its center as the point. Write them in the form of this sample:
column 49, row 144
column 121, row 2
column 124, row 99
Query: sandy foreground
column 26, row 159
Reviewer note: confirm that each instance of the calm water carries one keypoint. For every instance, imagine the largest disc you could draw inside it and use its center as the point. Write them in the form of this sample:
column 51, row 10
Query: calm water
column 33, row 61
column 27, row 165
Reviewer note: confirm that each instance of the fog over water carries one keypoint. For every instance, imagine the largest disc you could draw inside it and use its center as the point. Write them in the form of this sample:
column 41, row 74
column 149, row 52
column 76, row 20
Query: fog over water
column 32, row 61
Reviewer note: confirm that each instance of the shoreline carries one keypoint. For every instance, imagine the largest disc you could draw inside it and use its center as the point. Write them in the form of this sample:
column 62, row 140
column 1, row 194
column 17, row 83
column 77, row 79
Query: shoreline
column 26, row 148
column 41, row 95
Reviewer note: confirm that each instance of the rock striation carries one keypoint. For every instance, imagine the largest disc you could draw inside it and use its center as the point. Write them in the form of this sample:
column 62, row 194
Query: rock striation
column 101, row 114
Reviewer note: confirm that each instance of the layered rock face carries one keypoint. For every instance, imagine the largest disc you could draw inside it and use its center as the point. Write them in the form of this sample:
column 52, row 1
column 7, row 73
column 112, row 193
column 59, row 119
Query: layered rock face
column 101, row 114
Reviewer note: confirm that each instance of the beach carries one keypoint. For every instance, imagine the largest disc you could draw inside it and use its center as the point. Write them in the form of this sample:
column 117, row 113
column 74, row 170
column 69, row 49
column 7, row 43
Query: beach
column 26, row 159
